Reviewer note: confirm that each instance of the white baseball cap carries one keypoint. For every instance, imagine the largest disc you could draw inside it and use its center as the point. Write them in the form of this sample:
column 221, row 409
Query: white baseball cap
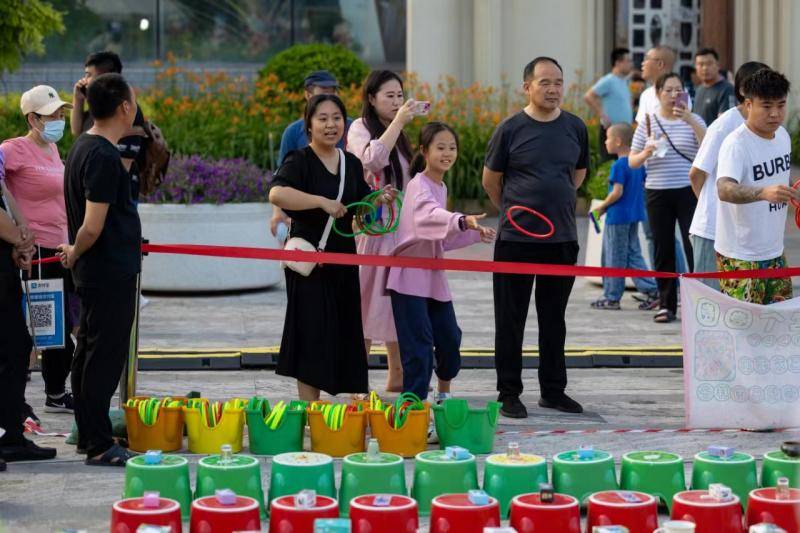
column 42, row 100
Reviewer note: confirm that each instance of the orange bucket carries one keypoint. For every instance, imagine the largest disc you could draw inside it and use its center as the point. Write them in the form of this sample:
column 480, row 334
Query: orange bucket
column 407, row 440
column 350, row 438
column 166, row 434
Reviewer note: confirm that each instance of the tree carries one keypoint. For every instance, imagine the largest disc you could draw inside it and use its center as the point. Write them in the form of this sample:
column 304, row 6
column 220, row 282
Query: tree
column 24, row 24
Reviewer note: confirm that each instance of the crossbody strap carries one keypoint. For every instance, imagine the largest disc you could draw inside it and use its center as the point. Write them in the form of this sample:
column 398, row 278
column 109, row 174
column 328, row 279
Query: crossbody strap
column 670, row 140
column 326, row 233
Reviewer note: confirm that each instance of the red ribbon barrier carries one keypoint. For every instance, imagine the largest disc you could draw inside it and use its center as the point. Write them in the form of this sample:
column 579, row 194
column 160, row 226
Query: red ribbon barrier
column 462, row 265
column 427, row 263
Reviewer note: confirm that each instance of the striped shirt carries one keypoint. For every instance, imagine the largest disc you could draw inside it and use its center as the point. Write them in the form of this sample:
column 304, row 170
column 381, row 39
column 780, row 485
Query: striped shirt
column 672, row 170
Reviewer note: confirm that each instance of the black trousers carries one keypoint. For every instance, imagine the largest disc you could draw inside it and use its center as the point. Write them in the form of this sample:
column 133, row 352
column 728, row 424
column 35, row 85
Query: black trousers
column 15, row 349
column 512, row 295
column 56, row 363
column 664, row 208
column 103, row 342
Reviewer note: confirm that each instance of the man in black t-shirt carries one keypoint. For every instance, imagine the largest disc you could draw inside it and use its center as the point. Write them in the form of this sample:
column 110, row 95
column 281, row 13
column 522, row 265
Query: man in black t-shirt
column 715, row 94
column 536, row 159
column 16, row 249
column 130, row 146
column 105, row 258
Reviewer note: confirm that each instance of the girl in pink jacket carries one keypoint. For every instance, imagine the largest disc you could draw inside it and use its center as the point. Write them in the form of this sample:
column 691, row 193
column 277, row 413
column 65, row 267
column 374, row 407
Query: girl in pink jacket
column 421, row 301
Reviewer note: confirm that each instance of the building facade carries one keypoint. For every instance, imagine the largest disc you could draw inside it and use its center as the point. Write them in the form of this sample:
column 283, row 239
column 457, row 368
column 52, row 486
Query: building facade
column 490, row 41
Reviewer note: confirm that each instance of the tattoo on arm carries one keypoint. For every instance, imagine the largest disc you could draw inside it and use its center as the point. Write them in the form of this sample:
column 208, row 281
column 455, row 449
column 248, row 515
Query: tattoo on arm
column 733, row 192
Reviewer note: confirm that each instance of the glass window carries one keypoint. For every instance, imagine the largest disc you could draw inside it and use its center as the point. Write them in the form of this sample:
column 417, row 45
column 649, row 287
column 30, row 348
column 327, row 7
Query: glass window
column 127, row 28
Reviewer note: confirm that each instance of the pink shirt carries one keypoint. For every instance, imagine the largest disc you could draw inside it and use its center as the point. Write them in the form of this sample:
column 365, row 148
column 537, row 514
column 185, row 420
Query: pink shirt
column 374, row 155
column 36, row 179
column 427, row 230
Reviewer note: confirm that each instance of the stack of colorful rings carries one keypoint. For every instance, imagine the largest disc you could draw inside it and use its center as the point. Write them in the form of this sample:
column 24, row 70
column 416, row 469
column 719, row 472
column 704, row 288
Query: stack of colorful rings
column 148, row 408
column 333, row 414
column 397, row 413
column 369, row 216
column 211, row 412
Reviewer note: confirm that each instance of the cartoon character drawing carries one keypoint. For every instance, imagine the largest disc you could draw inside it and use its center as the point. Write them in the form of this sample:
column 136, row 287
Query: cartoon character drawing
column 714, row 356
column 707, row 312
column 737, row 318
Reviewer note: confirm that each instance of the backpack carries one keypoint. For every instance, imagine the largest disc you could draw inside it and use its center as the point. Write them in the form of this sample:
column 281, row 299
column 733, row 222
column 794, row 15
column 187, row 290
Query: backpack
column 156, row 156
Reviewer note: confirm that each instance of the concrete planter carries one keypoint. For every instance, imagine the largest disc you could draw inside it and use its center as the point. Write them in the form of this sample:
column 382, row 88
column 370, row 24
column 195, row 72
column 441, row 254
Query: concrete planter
column 228, row 225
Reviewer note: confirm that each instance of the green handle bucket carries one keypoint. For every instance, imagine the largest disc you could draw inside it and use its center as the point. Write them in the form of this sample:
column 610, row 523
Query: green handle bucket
column 275, row 438
column 473, row 428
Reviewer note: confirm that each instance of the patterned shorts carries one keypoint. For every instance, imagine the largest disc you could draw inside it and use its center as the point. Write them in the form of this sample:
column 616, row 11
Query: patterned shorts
column 757, row 291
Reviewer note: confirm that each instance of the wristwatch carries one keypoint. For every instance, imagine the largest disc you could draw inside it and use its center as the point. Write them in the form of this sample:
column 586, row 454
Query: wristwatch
column 462, row 223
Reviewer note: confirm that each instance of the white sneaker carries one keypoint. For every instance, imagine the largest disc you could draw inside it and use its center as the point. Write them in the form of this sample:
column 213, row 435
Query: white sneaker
column 439, row 397
column 433, row 438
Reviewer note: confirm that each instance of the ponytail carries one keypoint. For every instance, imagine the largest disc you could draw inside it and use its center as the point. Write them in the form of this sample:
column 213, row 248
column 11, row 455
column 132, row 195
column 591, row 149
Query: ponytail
column 417, row 164
column 426, row 136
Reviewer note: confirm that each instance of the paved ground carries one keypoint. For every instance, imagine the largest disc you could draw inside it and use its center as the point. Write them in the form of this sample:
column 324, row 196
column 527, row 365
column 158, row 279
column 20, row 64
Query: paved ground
column 41, row 497
column 255, row 319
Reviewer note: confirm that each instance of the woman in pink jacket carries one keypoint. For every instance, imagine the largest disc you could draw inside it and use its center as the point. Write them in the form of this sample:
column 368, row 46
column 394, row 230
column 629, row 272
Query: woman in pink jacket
column 378, row 140
column 423, row 308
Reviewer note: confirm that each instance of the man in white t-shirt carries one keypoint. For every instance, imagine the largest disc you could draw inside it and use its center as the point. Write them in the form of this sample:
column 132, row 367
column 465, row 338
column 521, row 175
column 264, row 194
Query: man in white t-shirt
column 657, row 61
column 703, row 177
column 754, row 185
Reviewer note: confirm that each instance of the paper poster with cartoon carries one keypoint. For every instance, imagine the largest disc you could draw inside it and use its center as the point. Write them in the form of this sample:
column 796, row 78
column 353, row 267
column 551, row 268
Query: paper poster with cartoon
column 741, row 361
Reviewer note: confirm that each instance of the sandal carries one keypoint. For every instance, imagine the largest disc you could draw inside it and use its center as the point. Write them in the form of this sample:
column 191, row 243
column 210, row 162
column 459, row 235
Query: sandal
column 604, row 303
column 114, row 456
column 652, row 302
column 664, row 316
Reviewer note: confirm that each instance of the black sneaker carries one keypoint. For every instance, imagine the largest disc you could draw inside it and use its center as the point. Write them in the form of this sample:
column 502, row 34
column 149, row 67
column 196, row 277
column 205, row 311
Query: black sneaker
column 27, row 451
column 27, row 412
column 64, row 404
column 561, row 402
column 512, row 407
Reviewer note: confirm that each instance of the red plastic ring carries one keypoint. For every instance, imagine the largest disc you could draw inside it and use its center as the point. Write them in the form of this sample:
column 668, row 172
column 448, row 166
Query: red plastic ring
column 794, row 202
column 532, row 212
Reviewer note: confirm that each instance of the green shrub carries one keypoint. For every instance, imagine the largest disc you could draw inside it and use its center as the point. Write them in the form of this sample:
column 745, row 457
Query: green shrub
column 293, row 64
column 596, row 185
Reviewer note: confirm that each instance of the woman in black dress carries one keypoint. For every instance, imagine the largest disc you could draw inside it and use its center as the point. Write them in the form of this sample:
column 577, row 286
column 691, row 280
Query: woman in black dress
column 323, row 342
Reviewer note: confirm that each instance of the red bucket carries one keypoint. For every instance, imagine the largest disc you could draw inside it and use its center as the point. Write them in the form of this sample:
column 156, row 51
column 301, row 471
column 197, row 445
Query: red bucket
column 286, row 517
column 211, row 516
column 452, row 513
column 127, row 515
column 610, row 507
column 763, row 505
column 530, row 515
column 384, row 513
column 708, row 514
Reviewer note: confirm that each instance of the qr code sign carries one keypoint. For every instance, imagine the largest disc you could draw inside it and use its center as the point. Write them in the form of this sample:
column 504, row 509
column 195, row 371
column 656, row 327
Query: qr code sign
column 43, row 318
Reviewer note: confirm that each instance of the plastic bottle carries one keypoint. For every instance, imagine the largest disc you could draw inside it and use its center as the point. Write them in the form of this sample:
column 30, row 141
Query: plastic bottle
column 373, row 451
column 226, row 454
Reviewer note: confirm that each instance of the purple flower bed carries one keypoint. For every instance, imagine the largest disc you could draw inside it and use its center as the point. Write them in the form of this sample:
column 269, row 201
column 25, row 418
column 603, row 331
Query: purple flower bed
column 194, row 180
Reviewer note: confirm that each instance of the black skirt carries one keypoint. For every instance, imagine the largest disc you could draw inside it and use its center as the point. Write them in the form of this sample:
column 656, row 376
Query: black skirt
column 323, row 340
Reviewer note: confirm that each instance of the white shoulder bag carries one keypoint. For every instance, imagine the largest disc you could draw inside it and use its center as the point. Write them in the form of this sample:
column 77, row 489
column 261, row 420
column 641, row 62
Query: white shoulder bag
column 304, row 268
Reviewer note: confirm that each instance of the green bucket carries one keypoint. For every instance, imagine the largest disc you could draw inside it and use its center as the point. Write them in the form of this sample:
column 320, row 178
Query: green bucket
column 653, row 472
column 169, row 477
column 285, row 435
column 506, row 476
column 295, row 471
column 737, row 472
column 776, row 465
column 473, row 428
column 582, row 473
column 384, row 474
column 435, row 473
column 242, row 475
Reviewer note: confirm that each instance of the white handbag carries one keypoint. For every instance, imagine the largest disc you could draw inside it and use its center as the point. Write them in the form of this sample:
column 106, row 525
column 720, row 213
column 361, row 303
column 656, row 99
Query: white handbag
column 304, row 268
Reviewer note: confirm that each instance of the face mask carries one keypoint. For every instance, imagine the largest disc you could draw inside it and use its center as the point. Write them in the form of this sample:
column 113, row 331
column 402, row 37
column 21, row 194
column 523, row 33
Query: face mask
column 53, row 131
